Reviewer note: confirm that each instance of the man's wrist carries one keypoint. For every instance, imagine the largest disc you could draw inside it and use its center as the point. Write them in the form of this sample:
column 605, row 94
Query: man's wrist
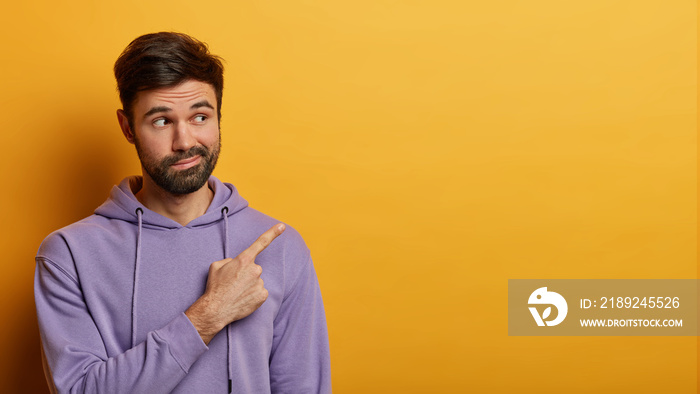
column 201, row 320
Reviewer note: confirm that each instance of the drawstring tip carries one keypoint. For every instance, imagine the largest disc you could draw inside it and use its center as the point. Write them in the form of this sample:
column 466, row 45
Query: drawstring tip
column 230, row 385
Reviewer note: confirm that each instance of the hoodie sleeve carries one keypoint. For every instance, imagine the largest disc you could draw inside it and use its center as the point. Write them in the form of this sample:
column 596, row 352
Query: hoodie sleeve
column 75, row 352
column 300, row 357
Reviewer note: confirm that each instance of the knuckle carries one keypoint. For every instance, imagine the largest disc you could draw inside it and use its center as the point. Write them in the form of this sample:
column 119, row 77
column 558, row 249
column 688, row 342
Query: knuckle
column 265, row 237
column 264, row 240
column 245, row 258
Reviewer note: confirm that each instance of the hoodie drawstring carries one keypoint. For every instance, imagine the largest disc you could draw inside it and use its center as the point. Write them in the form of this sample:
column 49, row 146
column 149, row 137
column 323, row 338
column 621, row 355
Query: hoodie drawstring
column 229, row 345
column 139, row 215
column 224, row 212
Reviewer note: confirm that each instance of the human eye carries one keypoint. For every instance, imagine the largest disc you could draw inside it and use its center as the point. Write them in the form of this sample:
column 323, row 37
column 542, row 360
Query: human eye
column 200, row 118
column 160, row 122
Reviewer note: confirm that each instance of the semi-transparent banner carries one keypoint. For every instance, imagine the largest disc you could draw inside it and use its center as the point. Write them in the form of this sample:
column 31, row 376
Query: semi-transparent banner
column 607, row 307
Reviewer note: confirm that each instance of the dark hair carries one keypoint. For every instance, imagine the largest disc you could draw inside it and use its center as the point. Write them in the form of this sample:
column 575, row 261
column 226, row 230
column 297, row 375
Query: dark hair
column 165, row 59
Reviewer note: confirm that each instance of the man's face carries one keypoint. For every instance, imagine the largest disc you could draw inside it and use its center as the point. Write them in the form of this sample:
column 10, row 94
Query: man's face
column 176, row 133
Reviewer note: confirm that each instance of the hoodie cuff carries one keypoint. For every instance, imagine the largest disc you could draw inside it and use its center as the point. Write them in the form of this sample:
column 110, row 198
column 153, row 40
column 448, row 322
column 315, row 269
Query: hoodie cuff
column 185, row 344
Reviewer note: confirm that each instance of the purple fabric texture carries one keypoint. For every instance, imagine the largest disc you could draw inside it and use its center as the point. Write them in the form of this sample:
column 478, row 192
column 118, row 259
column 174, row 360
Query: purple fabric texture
column 122, row 276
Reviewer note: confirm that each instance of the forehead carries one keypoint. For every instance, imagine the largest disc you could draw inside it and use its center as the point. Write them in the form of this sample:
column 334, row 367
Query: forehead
column 174, row 96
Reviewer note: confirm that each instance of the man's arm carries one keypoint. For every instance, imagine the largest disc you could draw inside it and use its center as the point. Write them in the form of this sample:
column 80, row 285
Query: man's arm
column 300, row 357
column 75, row 351
column 76, row 354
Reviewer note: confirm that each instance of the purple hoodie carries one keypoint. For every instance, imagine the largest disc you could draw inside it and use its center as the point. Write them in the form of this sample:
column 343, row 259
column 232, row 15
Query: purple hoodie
column 101, row 333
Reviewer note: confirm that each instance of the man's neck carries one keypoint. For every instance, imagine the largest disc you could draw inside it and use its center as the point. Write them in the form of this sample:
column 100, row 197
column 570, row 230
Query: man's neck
column 180, row 208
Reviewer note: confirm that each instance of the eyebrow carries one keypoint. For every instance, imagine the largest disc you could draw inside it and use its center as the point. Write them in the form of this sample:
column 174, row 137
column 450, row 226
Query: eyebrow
column 159, row 109
column 156, row 110
column 200, row 104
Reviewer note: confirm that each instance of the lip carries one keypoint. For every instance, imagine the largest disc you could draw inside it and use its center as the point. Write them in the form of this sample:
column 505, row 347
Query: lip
column 187, row 163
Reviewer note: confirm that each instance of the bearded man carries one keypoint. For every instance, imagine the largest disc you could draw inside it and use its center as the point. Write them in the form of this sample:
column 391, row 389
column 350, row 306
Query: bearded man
column 175, row 284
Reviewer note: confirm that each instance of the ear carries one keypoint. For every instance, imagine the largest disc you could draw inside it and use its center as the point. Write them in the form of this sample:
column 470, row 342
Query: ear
column 124, row 124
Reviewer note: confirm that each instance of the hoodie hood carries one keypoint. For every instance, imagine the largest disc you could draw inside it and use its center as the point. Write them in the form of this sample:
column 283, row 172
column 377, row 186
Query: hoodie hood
column 123, row 205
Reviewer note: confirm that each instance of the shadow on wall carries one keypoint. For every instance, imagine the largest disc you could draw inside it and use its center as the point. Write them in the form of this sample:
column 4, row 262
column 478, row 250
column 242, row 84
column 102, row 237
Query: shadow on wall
column 79, row 174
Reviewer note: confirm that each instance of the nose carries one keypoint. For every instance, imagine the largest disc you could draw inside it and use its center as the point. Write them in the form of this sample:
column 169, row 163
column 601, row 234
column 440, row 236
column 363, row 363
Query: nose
column 183, row 139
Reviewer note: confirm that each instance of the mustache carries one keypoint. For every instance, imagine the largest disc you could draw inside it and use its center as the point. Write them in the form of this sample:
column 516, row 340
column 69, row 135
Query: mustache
column 193, row 151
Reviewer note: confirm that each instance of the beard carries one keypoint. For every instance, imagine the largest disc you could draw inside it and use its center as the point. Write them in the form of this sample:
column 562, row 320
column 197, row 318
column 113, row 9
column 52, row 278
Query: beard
column 179, row 182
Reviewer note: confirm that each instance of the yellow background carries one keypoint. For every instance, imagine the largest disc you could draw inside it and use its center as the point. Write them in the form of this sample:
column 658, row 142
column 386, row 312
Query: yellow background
column 427, row 150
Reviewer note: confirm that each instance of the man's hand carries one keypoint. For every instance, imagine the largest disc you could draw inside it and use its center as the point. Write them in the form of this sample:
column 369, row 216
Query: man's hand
column 234, row 289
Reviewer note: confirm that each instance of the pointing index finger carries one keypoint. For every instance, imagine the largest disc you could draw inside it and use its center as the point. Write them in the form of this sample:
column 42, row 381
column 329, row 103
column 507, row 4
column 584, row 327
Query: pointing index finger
column 264, row 240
